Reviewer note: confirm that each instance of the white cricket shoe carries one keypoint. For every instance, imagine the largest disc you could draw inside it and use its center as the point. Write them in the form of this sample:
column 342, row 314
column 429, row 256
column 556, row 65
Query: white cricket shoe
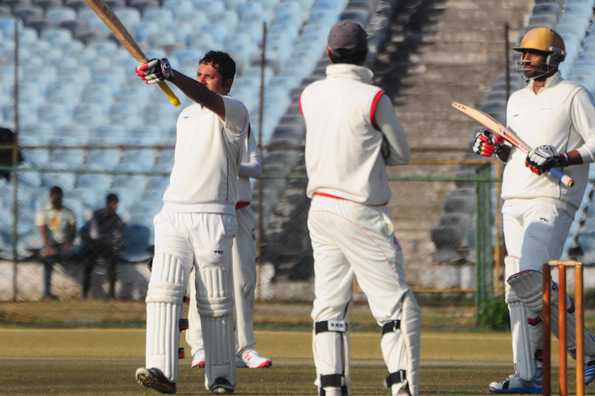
column 252, row 359
column 515, row 384
column 198, row 359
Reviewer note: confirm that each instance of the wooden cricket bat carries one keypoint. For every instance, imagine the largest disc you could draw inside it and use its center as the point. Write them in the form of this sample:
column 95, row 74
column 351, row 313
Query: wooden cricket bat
column 495, row 127
column 125, row 38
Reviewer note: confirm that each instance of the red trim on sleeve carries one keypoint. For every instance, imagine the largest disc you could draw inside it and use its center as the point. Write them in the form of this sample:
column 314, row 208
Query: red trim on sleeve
column 373, row 108
column 321, row 194
column 242, row 204
column 300, row 105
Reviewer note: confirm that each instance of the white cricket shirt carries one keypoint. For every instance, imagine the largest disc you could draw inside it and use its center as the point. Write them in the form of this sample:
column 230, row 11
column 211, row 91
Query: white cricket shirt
column 561, row 115
column 249, row 167
column 352, row 133
column 207, row 159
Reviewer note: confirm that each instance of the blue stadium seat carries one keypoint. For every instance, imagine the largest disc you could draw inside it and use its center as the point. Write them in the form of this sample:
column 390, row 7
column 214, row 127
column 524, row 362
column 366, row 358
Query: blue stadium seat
column 130, row 17
column 56, row 15
column 62, row 177
column 103, row 159
column 96, row 182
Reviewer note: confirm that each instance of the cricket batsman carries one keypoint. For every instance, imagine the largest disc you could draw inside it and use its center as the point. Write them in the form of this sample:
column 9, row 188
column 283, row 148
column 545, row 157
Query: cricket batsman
column 557, row 118
column 352, row 134
column 197, row 224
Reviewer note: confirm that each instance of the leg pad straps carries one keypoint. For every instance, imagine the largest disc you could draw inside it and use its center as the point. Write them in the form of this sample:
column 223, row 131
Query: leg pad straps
column 396, row 378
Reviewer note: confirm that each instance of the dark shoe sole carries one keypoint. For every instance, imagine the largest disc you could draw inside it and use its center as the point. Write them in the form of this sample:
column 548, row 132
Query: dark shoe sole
column 144, row 378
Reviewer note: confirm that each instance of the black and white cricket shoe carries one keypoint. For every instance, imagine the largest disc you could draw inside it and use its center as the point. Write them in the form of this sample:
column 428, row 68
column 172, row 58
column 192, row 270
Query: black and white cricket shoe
column 155, row 379
column 514, row 384
column 221, row 386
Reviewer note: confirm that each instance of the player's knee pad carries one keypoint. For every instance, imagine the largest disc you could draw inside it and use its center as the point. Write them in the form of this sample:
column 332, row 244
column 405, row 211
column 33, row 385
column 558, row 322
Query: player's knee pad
column 528, row 286
column 214, row 291
column 332, row 357
column 400, row 345
column 164, row 302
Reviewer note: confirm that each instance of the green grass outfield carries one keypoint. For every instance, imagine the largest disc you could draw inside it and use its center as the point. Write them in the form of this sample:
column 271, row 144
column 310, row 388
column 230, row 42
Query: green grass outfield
column 93, row 348
column 102, row 361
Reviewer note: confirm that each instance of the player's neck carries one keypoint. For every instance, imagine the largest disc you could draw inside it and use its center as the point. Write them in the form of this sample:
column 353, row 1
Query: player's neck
column 538, row 85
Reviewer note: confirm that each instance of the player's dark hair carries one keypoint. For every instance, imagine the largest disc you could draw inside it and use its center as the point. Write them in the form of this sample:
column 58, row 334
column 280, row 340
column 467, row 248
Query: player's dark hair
column 56, row 190
column 348, row 56
column 222, row 62
column 111, row 198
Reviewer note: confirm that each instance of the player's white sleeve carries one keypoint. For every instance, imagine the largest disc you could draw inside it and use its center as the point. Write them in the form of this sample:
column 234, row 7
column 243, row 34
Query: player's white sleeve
column 236, row 116
column 582, row 114
column 395, row 137
column 250, row 165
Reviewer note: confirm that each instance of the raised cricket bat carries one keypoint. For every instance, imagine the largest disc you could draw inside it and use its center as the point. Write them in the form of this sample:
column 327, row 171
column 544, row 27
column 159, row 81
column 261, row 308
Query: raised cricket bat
column 495, row 127
column 123, row 36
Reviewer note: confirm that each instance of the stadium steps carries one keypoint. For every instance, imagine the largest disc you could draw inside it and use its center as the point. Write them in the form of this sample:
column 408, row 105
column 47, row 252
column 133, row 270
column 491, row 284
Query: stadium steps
column 287, row 246
column 439, row 51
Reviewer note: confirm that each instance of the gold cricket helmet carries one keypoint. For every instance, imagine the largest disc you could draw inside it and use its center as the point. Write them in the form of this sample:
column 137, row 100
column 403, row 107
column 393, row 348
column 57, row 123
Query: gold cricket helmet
column 545, row 40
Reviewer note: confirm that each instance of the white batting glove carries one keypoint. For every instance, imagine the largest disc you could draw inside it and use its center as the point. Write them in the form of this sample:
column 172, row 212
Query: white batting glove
column 155, row 70
column 543, row 158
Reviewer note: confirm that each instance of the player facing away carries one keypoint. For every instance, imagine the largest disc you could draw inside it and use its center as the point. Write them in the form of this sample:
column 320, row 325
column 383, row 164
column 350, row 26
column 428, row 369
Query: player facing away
column 197, row 224
column 557, row 118
column 244, row 273
column 352, row 134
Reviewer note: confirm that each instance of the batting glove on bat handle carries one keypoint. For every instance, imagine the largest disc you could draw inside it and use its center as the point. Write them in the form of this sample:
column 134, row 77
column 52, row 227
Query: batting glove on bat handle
column 155, row 70
column 543, row 158
column 486, row 144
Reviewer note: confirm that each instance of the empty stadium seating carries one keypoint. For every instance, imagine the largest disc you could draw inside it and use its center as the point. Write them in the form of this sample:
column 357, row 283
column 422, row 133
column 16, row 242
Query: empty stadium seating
column 88, row 93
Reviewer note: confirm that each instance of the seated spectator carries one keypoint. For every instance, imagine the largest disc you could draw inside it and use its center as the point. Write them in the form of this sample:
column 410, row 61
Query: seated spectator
column 57, row 225
column 8, row 137
column 102, row 240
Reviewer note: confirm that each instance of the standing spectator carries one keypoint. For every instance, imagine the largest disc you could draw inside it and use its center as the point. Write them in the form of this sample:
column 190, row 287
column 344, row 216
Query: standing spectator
column 352, row 134
column 57, row 226
column 102, row 240
column 8, row 137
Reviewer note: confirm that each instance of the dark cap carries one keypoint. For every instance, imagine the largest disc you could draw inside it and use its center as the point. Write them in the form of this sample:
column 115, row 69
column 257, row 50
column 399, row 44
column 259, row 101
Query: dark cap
column 348, row 35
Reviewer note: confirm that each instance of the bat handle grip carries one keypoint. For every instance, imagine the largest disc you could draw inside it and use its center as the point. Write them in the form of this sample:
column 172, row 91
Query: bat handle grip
column 171, row 96
column 564, row 178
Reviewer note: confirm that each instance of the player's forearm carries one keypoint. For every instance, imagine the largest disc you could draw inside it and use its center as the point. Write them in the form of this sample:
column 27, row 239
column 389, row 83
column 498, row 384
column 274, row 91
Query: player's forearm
column 44, row 236
column 199, row 93
column 395, row 137
column 503, row 152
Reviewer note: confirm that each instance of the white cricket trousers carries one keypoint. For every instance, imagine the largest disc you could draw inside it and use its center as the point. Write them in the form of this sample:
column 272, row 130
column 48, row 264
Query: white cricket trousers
column 535, row 230
column 349, row 239
column 182, row 239
column 244, row 283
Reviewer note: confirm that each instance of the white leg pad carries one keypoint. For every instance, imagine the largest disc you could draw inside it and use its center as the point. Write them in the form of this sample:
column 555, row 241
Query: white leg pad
column 522, row 352
column 524, row 327
column 164, row 301
column 332, row 356
column 215, row 306
column 400, row 345
column 528, row 285
column 194, row 332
